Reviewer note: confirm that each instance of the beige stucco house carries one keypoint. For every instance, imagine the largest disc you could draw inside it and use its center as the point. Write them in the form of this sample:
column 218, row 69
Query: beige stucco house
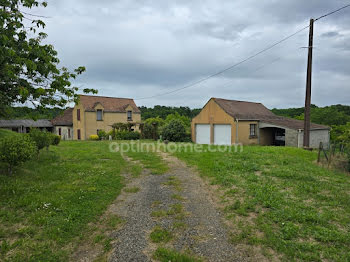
column 226, row 122
column 94, row 113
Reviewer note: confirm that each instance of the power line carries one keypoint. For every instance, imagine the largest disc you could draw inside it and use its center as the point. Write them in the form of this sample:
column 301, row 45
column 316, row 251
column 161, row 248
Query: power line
column 244, row 60
column 227, row 84
column 228, row 68
column 42, row 16
column 331, row 13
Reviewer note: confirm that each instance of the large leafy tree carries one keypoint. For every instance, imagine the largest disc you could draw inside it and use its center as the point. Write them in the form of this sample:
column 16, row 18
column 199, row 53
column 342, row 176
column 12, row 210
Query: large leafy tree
column 29, row 69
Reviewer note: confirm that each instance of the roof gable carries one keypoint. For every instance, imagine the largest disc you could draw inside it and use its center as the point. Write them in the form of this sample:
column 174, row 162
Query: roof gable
column 110, row 104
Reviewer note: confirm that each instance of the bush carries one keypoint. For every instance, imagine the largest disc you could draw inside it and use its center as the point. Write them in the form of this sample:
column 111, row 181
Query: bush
column 175, row 132
column 15, row 150
column 102, row 134
column 41, row 139
column 111, row 133
column 55, row 140
column 94, row 137
column 126, row 135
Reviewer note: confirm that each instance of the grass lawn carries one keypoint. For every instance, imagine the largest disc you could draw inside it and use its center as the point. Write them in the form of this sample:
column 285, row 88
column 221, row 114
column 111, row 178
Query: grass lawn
column 278, row 199
column 46, row 205
column 147, row 158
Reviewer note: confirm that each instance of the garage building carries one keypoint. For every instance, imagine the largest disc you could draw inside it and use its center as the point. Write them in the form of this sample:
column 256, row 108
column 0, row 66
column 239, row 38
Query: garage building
column 226, row 122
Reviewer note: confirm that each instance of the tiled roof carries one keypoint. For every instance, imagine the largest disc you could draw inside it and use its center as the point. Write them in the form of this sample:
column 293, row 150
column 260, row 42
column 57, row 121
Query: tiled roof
column 291, row 123
column 25, row 123
column 110, row 104
column 242, row 110
column 64, row 119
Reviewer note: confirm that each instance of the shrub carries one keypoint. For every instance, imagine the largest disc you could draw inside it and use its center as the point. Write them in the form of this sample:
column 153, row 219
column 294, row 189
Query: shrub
column 111, row 133
column 101, row 134
column 126, row 135
column 15, row 150
column 55, row 140
column 94, row 137
column 41, row 139
column 175, row 131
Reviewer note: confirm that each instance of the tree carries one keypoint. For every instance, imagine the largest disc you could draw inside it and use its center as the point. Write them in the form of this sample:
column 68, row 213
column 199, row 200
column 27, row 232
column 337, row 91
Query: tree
column 28, row 68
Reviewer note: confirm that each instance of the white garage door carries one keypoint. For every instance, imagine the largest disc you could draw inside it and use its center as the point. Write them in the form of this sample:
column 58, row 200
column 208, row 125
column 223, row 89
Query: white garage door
column 222, row 134
column 202, row 134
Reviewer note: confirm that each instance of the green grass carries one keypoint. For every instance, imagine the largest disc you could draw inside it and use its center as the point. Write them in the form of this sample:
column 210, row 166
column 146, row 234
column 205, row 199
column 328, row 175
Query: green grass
column 149, row 160
column 4, row 133
column 277, row 197
column 160, row 235
column 177, row 197
column 132, row 189
column 174, row 182
column 166, row 255
column 47, row 203
column 159, row 213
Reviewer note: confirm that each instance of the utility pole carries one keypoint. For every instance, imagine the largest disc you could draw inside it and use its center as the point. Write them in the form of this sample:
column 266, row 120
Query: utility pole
column 308, row 88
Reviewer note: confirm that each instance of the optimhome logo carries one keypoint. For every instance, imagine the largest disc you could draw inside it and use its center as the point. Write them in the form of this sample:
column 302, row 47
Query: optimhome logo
column 145, row 147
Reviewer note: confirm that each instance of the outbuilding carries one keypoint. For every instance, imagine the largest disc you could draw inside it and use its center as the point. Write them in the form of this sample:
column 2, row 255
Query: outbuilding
column 24, row 125
column 63, row 124
column 226, row 122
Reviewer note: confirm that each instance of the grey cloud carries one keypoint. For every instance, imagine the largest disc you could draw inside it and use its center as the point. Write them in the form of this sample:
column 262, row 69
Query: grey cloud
column 330, row 34
column 135, row 48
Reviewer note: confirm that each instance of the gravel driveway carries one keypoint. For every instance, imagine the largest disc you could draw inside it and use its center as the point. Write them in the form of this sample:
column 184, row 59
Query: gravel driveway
column 197, row 226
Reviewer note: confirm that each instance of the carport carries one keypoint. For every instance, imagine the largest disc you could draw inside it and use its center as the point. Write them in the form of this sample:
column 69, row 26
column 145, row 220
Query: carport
column 272, row 136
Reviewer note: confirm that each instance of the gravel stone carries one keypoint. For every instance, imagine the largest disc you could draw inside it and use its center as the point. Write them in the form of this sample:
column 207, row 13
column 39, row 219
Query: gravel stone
column 205, row 234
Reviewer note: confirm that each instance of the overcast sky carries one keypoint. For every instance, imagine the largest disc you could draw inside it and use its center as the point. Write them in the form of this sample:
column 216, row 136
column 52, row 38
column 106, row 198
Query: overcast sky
column 139, row 48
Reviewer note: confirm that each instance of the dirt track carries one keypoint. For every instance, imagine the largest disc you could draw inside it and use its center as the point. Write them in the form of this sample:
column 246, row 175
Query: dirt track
column 202, row 231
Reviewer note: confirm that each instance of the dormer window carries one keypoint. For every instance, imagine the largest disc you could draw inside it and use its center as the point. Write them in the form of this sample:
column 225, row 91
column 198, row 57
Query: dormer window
column 99, row 114
column 129, row 113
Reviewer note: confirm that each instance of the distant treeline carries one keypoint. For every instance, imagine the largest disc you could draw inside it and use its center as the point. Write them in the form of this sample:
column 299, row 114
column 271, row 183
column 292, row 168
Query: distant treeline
column 31, row 113
column 334, row 115
column 164, row 111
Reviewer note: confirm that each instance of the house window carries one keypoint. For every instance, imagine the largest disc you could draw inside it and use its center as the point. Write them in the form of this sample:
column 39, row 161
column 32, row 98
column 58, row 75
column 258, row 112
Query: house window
column 68, row 133
column 79, row 135
column 78, row 114
column 59, row 131
column 252, row 130
column 129, row 115
column 99, row 115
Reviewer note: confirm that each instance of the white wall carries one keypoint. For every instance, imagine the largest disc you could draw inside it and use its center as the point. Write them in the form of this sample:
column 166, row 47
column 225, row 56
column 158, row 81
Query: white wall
column 64, row 132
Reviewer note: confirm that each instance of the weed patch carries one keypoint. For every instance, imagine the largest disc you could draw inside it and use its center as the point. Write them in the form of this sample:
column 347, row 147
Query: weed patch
column 159, row 235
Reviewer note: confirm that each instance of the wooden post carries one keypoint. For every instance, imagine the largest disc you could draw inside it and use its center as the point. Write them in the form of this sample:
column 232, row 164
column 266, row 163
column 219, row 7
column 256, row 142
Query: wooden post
column 308, row 88
column 319, row 152
column 330, row 155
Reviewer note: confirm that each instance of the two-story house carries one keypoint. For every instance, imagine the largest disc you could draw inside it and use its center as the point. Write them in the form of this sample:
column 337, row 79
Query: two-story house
column 94, row 113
